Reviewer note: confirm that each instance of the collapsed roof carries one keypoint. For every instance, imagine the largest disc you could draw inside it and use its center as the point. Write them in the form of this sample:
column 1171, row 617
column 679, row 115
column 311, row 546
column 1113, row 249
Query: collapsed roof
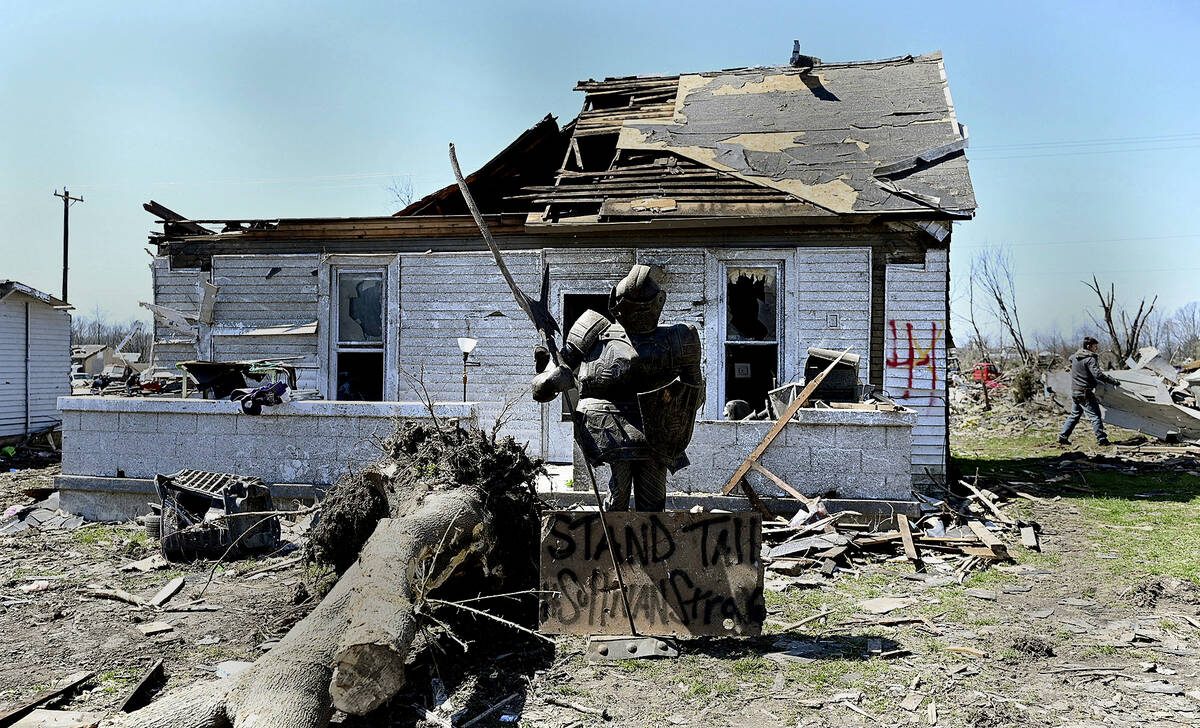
column 837, row 139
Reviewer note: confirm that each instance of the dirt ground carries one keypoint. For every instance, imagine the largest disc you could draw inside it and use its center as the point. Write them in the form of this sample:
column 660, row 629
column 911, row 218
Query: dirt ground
column 1099, row 628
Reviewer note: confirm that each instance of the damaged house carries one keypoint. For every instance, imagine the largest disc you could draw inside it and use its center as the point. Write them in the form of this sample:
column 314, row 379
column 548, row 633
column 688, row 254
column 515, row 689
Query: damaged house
column 784, row 208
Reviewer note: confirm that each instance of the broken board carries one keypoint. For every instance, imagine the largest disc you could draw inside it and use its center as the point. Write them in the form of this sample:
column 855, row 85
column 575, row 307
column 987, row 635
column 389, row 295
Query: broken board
column 685, row 573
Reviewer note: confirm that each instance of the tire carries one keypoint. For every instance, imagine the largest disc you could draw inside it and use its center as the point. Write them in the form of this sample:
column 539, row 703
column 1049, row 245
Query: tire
column 153, row 527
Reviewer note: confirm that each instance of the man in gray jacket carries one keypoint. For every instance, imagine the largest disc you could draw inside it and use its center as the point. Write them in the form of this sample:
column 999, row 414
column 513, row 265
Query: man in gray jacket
column 1085, row 375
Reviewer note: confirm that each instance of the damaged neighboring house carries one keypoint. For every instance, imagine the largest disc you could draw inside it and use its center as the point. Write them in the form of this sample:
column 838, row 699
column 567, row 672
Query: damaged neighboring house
column 784, row 208
column 35, row 359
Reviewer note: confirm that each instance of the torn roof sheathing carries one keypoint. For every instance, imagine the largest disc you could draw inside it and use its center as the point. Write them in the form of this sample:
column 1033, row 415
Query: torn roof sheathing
column 848, row 138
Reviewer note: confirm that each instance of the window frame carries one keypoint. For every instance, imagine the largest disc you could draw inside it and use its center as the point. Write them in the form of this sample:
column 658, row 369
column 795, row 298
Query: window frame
column 328, row 302
column 717, row 265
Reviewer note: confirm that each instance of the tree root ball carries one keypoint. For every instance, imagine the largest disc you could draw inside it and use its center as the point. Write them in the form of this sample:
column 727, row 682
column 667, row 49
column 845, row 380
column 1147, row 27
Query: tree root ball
column 444, row 513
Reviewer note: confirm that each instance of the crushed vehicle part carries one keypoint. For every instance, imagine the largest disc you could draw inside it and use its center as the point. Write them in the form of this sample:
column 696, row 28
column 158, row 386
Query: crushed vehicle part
column 200, row 515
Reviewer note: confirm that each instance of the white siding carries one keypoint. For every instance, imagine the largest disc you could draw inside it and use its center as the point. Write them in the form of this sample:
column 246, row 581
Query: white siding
column 915, row 353
column 444, row 295
column 832, row 281
column 256, row 291
column 49, row 363
column 179, row 290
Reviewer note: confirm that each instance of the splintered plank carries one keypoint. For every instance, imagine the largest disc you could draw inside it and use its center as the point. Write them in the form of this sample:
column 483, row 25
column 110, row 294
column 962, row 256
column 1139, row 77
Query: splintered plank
column 136, row 697
column 997, row 547
column 988, row 503
column 910, row 548
column 12, row 715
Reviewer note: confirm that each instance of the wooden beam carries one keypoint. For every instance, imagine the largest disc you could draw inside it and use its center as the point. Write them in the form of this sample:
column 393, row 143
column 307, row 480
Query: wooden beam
column 989, row 539
column 791, row 410
column 758, row 468
column 136, row 697
column 12, row 715
column 910, row 548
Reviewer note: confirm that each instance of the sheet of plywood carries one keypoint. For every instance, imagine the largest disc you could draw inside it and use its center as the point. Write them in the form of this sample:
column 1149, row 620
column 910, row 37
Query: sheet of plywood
column 685, row 573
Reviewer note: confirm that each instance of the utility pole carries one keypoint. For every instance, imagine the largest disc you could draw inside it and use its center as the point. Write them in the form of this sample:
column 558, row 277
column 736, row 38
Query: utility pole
column 67, row 202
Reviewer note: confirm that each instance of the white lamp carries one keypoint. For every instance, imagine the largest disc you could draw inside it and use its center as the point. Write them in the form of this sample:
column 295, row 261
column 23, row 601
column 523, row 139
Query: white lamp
column 466, row 346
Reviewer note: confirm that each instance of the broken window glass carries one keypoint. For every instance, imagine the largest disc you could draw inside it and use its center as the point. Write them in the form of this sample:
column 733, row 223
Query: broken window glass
column 750, row 297
column 751, row 337
column 360, row 307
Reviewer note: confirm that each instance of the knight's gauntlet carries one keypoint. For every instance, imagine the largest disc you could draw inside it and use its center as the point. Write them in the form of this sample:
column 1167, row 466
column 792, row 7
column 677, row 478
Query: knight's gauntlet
column 552, row 382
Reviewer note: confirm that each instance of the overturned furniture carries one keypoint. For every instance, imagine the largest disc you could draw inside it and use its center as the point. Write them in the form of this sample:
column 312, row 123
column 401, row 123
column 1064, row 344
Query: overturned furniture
column 210, row 514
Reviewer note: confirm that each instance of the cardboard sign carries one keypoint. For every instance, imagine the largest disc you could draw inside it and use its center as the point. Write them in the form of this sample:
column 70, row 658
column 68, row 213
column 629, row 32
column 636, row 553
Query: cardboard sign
column 685, row 573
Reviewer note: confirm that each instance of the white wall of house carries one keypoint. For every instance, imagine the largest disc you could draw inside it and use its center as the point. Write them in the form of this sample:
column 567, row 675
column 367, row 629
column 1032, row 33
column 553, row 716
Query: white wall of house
column 824, row 299
column 915, row 353
column 42, row 379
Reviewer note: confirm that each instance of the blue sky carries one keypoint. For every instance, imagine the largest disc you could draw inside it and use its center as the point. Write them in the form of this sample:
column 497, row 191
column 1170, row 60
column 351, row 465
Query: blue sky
column 1083, row 117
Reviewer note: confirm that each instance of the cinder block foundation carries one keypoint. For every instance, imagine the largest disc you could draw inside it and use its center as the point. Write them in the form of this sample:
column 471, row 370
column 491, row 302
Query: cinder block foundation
column 852, row 453
column 114, row 446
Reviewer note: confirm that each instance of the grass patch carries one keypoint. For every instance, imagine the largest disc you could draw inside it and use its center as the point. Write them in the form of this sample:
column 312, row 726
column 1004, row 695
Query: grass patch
column 1169, row 503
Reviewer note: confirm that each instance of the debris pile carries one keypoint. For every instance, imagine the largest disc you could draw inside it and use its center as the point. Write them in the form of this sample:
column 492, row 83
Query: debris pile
column 951, row 536
column 44, row 515
column 1153, row 398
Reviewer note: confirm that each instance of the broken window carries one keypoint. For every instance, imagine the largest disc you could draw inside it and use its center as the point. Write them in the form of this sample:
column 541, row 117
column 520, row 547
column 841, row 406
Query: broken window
column 358, row 356
column 751, row 334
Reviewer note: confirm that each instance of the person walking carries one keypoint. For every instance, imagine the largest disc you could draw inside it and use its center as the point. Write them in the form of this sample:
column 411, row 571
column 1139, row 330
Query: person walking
column 1085, row 375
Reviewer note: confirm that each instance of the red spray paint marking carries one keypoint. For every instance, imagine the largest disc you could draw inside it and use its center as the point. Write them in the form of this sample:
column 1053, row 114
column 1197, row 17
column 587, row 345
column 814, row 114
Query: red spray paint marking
column 917, row 355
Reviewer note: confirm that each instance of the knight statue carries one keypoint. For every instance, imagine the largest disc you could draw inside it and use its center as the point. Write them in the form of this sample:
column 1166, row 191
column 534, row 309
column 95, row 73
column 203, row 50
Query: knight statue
column 639, row 386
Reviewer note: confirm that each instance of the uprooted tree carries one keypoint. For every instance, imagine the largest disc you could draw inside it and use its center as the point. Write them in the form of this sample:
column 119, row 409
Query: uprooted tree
column 442, row 506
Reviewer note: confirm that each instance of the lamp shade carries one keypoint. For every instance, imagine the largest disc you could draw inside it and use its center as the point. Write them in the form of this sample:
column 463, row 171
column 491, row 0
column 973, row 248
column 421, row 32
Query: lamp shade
column 466, row 346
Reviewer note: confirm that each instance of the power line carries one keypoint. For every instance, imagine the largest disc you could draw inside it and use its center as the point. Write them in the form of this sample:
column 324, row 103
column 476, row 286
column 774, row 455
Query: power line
column 1045, row 243
column 1081, row 142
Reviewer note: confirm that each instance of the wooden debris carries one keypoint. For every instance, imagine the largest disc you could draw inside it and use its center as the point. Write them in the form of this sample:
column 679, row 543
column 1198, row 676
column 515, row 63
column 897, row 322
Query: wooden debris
column 152, row 628
column 12, row 715
column 170, row 589
column 136, row 697
column 1029, row 538
column 996, row 545
column 119, row 595
column 910, row 549
column 912, row 701
column 576, row 706
column 987, row 503
column 962, row 650
column 819, row 615
column 491, row 710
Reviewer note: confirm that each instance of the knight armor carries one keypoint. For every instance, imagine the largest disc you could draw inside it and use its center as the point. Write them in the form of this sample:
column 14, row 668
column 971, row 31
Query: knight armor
column 639, row 385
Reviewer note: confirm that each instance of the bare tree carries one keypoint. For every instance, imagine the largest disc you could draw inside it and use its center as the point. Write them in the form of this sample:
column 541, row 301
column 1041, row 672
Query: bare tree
column 987, row 400
column 95, row 328
column 401, row 190
column 1185, row 330
column 992, row 268
column 1124, row 331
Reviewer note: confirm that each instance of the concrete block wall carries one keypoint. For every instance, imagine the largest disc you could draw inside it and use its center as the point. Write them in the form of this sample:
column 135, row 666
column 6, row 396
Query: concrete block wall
column 312, row 442
column 853, row 453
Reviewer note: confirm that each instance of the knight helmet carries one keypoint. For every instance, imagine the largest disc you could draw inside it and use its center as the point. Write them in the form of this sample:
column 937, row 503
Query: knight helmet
column 637, row 301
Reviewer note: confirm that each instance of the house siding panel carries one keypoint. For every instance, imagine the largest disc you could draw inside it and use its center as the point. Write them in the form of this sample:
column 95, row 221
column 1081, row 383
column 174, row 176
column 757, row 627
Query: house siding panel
column 49, row 363
column 445, row 296
column 915, row 350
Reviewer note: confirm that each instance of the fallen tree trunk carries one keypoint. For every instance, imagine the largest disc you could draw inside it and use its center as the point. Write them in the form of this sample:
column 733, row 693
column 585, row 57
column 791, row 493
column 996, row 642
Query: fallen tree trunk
column 350, row 652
